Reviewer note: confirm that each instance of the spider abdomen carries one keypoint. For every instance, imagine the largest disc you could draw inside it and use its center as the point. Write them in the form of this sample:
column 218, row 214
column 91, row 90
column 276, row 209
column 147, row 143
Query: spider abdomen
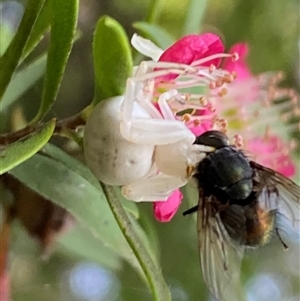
column 111, row 158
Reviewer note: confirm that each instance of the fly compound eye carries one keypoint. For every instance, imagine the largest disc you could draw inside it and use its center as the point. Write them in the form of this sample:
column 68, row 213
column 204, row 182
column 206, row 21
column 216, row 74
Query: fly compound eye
column 215, row 139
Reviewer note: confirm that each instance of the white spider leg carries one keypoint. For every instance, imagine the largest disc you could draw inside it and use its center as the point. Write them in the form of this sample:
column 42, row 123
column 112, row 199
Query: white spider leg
column 149, row 130
column 158, row 187
column 180, row 159
column 135, row 84
column 155, row 131
column 143, row 68
column 144, row 99
column 137, row 91
column 164, row 106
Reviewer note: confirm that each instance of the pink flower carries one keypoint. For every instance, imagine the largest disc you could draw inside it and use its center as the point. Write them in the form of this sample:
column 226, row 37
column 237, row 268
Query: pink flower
column 250, row 106
column 272, row 152
column 239, row 66
column 192, row 48
column 164, row 211
column 205, row 50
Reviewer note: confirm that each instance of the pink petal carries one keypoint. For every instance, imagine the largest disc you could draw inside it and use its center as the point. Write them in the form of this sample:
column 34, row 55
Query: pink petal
column 240, row 66
column 165, row 210
column 287, row 168
column 197, row 130
column 203, row 126
column 269, row 152
column 194, row 47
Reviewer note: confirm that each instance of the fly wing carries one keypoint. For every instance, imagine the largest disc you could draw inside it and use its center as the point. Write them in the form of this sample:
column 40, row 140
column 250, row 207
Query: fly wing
column 220, row 257
column 273, row 183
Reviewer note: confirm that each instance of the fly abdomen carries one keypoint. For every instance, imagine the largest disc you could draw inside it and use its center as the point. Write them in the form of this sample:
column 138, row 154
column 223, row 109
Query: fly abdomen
column 249, row 225
column 259, row 225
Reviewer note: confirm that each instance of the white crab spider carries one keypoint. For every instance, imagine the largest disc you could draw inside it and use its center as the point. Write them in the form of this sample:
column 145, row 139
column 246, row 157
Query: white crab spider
column 128, row 142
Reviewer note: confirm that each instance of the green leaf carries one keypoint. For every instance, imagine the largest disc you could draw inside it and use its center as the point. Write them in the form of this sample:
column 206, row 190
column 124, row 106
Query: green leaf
column 56, row 153
column 194, row 16
column 63, row 27
column 86, row 202
column 156, row 34
column 82, row 243
column 10, row 59
column 39, row 29
column 6, row 35
column 154, row 11
column 112, row 59
column 23, row 80
column 19, row 151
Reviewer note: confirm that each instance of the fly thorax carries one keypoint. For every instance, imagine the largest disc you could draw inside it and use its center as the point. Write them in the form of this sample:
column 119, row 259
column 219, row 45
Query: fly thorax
column 240, row 190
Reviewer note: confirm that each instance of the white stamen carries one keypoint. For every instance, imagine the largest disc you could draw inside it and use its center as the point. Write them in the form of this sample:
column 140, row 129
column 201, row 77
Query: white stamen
column 211, row 57
column 146, row 47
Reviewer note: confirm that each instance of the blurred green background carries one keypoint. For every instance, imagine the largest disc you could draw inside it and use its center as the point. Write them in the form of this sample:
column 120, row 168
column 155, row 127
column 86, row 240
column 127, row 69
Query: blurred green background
column 271, row 27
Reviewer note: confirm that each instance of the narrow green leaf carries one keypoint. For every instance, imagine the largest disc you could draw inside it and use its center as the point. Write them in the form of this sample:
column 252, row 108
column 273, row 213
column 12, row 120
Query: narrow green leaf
column 155, row 8
column 39, row 29
column 79, row 241
column 158, row 286
column 194, row 16
column 63, row 28
column 19, row 151
column 156, row 34
column 11, row 13
column 23, row 80
column 6, row 35
column 10, row 59
column 56, row 153
column 87, row 203
column 112, row 59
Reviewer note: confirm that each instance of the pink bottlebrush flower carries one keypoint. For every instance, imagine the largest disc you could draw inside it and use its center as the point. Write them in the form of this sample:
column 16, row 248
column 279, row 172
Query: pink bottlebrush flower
column 239, row 66
column 249, row 106
column 272, row 152
column 252, row 107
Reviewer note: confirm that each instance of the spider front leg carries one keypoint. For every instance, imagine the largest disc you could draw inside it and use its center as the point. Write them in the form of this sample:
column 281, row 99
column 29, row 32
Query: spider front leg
column 157, row 187
column 140, row 87
column 155, row 131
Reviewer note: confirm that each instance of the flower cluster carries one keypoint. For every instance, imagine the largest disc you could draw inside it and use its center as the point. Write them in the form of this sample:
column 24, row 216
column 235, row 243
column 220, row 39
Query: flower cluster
column 232, row 100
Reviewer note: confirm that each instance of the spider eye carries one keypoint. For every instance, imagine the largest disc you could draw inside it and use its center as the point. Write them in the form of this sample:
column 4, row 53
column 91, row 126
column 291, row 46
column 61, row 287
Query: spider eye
column 215, row 139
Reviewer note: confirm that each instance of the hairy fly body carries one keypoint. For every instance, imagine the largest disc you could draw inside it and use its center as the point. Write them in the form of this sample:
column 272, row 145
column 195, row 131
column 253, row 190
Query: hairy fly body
column 239, row 203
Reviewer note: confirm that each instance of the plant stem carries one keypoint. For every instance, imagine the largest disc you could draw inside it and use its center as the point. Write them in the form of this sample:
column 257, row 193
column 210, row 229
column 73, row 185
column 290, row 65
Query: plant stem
column 153, row 275
column 68, row 124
